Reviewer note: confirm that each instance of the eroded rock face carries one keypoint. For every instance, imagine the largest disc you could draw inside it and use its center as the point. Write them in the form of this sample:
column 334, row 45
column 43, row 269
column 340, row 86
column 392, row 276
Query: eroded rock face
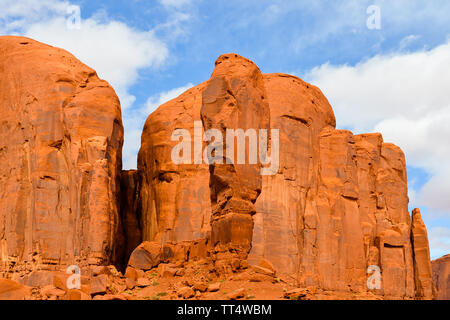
column 61, row 136
column 441, row 277
column 338, row 205
column 421, row 250
column 234, row 98
column 300, row 112
column 174, row 199
column 335, row 214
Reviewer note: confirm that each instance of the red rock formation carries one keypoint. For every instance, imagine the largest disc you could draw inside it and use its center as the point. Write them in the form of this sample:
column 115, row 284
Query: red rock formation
column 60, row 146
column 336, row 210
column 174, row 199
column 234, row 98
column 300, row 111
column 350, row 196
column 441, row 277
column 331, row 217
column 421, row 253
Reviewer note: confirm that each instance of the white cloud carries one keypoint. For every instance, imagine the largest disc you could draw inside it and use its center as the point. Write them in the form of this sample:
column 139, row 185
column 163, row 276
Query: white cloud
column 163, row 97
column 435, row 194
column 439, row 239
column 384, row 87
column 175, row 3
column 134, row 123
column 116, row 51
column 407, row 98
column 407, row 41
column 30, row 11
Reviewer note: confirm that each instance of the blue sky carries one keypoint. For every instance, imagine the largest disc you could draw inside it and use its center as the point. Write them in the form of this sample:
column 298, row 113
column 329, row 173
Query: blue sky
column 394, row 79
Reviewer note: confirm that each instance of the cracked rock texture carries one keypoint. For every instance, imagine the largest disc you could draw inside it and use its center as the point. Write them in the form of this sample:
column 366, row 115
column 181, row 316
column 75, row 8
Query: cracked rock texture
column 61, row 139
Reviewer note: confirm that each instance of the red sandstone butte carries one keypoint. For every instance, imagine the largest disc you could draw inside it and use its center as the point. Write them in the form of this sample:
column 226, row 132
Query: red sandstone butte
column 335, row 208
column 61, row 139
column 337, row 205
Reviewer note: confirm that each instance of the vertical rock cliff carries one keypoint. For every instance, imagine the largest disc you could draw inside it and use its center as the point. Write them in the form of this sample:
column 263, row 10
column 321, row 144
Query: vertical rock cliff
column 421, row 254
column 441, row 277
column 234, row 99
column 174, row 200
column 61, row 140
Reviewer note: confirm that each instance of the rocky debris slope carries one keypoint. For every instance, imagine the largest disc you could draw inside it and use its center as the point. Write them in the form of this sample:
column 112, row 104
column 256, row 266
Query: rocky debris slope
column 441, row 277
column 187, row 280
column 61, row 139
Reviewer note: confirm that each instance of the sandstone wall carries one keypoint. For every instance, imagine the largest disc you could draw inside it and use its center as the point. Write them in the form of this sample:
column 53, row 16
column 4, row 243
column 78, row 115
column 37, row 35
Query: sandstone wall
column 174, row 199
column 61, row 138
column 234, row 98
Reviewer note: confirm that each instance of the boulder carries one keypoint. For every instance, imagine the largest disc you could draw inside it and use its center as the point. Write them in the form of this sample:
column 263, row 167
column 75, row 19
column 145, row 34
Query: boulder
column 236, row 294
column 51, row 291
column 214, row 287
column 143, row 282
column 99, row 284
column 76, row 294
column 11, row 290
column 146, row 256
column 186, row 292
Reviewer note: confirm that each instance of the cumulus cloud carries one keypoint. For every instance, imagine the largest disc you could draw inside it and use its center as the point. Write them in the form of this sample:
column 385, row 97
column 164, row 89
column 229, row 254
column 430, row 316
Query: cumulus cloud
column 386, row 87
column 161, row 98
column 406, row 97
column 134, row 123
column 439, row 239
column 115, row 50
